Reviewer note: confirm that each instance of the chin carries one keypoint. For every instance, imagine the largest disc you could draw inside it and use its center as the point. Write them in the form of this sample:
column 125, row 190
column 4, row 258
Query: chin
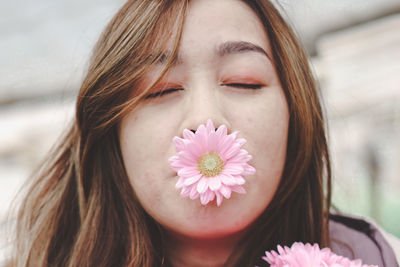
column 214, row 222
column 214, row 231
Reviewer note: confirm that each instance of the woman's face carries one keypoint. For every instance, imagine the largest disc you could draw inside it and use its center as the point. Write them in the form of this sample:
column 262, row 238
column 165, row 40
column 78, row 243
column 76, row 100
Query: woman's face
column 222, row 73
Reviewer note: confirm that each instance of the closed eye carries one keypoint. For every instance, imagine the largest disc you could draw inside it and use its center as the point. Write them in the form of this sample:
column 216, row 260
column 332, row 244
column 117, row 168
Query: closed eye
column 245, row 85
column 163, row 92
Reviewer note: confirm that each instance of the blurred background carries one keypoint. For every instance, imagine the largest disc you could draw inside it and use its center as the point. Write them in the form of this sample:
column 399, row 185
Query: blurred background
column 355, row 51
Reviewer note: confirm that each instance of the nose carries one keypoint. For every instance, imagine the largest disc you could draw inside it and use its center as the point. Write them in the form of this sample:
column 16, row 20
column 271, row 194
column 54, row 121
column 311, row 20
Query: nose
column 204, row 103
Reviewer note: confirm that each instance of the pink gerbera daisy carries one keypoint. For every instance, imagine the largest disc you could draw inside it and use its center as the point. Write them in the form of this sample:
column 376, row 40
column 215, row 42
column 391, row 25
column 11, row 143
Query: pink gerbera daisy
column 300, row 255
column 210, row 163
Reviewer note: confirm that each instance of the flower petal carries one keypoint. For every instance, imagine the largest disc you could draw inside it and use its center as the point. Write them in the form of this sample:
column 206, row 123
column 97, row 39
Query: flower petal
column 227, row 179
column 239, row 180
column 188, row 172
column 225, row 191
column 184, row 162
column 242, row 156
column 210, row 126
column 201, row 130
column 248, row 157
column 195, row 149
column 238, row 189
column 248, row 170
column 222, row 131
column 214, row 183
column 185, row 191
column 193, row 193
column 192, row 180
column 211, row 195
column 213, row 142
column 187, row 157
column 241, row 141
column 234, row 134
column 180, row 183
column 219, row 198
column 175, row 163
column 203, row 138
column 233, row 169
column 203, row 199
column 202, row 185
column 231, row 152
column 188, row 134
column 173, row 159
column 179, row 143
column 225, row 143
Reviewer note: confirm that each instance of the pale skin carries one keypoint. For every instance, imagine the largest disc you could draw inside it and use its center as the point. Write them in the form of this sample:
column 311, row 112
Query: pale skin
column 224, row 73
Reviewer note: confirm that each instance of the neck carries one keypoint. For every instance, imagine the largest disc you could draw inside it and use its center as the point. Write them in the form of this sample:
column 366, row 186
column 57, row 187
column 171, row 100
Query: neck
column 196, row 252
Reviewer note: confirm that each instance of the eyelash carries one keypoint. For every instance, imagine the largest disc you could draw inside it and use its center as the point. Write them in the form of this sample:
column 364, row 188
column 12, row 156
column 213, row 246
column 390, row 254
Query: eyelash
column 163, row 92
column 245, row 85
column 236, row 85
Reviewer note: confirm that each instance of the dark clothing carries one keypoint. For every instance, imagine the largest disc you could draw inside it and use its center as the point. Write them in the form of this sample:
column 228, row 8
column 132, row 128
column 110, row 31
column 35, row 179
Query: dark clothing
column 357, row 239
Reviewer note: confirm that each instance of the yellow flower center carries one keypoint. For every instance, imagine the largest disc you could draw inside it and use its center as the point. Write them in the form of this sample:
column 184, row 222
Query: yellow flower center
column 210, row 164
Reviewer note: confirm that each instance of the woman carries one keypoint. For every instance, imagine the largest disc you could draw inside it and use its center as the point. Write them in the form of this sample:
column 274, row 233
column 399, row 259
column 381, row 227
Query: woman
column 107, row 195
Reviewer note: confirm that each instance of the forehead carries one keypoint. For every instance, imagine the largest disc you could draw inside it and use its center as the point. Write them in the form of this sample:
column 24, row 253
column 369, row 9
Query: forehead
column 210, row 23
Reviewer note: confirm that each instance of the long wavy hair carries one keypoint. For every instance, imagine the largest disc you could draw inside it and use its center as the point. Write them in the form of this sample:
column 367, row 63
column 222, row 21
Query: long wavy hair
column 80, row 208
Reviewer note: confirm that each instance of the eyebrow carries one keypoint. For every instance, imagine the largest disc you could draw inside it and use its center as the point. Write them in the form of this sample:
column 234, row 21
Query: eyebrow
column 224, row 49
column 240, row 47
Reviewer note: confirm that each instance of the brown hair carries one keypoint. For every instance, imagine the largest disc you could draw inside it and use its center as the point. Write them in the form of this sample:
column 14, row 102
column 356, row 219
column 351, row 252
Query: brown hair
column 300, row 207
column 81, row 209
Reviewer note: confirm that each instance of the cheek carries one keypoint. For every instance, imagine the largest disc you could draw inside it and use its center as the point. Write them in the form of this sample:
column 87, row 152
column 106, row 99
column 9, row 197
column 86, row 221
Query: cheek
column 143, row 155
column 146, row 145
column 269, row 154
column 266, row 130
column 143, row 141
column 264, row 123
column 145, row 175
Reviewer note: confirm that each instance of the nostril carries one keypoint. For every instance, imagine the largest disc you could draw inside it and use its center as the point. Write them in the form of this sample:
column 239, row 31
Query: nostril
column 194, row 131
